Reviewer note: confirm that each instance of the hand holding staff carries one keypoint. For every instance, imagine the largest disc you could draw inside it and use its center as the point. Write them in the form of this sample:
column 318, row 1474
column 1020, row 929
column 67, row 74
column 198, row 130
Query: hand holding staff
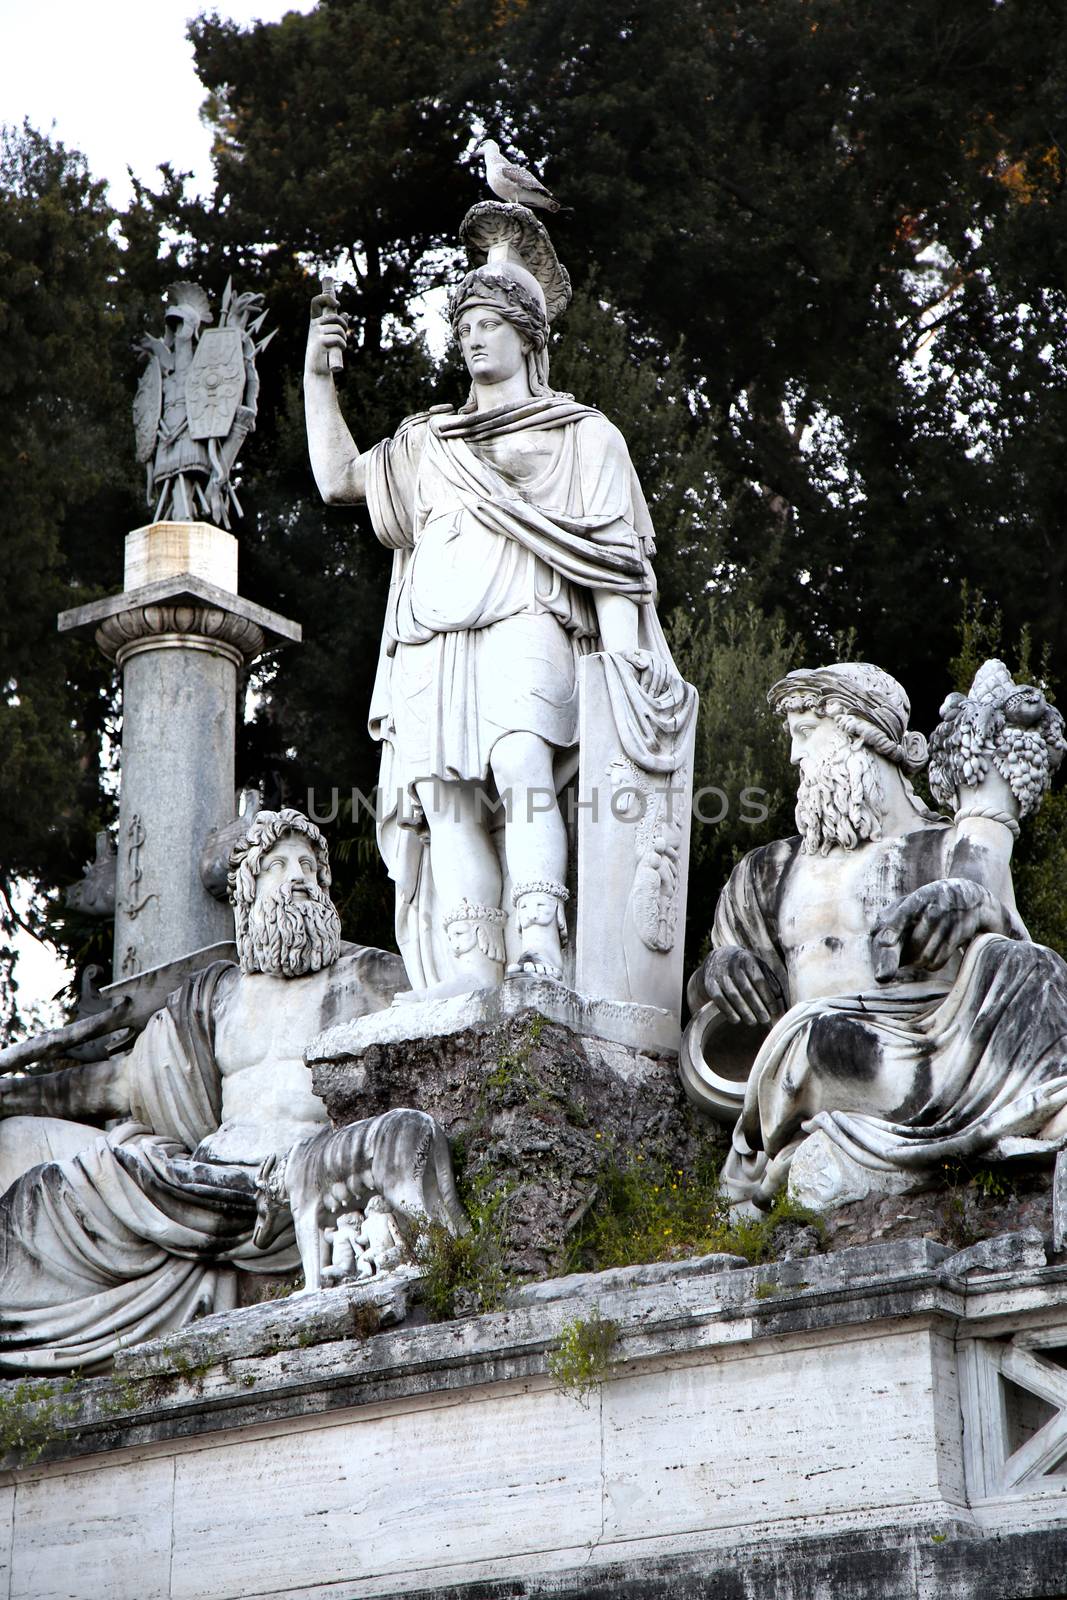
column 335, row 336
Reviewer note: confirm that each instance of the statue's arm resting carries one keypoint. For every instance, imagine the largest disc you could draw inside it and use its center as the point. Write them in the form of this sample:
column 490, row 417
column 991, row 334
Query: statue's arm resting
column 928, row 926
column 94, row 1089
column 338, row 467
column 617, row 619
column 743, row 986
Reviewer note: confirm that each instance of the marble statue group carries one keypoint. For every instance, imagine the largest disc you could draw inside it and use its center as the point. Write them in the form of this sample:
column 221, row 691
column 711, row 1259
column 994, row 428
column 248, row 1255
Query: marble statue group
column 872, row 1004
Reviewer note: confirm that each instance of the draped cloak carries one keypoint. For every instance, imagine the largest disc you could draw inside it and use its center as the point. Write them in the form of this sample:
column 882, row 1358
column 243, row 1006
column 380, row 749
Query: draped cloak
column 906, row 1075
column 132, row 1236
column 491, row 604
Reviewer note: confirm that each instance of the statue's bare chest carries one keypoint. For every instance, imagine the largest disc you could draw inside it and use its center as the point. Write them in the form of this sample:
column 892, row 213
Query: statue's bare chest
column 830, row 907
column 842, row 893
column 267, row 1019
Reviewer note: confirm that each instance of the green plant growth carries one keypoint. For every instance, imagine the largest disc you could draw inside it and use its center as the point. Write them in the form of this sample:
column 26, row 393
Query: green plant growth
column 650, row 1210
column 976, row 1192
column 511, row 1075
column 584, row 1354
column 758, row 1238
column 466, row 1275
column 32, row 1414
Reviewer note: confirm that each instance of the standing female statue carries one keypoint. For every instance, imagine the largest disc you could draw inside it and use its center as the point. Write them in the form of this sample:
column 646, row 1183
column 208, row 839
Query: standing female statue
column 521, row 542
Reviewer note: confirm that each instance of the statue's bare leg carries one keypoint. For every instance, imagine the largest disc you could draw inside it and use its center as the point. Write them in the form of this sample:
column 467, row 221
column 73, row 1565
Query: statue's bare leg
column 466, row 876
column 535, row 842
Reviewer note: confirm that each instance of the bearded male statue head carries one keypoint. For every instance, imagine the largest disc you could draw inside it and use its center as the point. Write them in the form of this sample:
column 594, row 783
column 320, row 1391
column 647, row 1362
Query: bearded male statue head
column 848, row 724
column 286, row 925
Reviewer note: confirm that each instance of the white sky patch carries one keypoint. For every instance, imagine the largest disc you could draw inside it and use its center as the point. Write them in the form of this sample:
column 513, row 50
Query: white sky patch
column 117, row 80
column 40, row 973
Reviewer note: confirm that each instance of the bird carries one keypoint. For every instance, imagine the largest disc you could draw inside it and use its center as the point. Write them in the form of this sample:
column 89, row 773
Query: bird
column 514, row 184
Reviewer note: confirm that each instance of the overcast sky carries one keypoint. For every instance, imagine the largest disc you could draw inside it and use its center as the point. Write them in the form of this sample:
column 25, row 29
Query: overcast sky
column 116, row 78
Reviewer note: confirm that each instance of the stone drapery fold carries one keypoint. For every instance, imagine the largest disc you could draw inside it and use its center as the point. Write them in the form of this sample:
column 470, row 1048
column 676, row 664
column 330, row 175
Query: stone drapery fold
column 904, row 1076
column 132, row 1236
column 478, row 549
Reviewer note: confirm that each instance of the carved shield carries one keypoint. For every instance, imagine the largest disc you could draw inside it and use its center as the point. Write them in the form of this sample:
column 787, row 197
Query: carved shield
column 147, row 405
column 215, row 383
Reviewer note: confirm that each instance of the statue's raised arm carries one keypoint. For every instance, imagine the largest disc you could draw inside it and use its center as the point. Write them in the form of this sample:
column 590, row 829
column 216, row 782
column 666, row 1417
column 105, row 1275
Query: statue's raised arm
column 336, row 463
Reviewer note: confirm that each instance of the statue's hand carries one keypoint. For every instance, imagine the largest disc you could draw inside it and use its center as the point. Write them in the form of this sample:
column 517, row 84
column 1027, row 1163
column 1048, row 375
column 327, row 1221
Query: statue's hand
column 743, row 987
column 929, row 925
column 328, row 331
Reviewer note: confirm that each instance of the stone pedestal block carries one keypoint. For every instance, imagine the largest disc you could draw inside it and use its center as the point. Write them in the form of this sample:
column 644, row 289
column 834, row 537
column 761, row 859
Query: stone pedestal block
column 164, row 549
column 534, row 1108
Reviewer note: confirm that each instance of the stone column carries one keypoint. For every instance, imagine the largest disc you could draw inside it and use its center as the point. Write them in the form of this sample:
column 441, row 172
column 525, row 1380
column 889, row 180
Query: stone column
column 180, row 634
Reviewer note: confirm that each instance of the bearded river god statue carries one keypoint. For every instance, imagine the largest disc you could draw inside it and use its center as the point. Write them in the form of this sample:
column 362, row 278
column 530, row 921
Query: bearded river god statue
column 522, row 598
column 109, row 1238
column 873, row 1005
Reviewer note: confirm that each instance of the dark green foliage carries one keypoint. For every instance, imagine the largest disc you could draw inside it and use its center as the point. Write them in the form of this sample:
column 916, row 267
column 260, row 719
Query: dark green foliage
column 65, row 507
column 801, row 190
column 744, row 788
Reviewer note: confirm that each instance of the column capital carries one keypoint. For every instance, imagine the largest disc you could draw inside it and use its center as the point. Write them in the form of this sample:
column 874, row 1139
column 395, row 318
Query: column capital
column 182, row 612
column 180, row 626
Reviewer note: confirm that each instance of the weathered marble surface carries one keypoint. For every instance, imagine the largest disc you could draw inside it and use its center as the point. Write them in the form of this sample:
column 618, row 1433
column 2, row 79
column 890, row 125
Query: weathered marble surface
column 650, row 1029
column 111, row 1236
column 894, row 1013
column 162, row 549
column 293, row 1321
column 805, row 1425
column 400, row 1159
column 535, row 1107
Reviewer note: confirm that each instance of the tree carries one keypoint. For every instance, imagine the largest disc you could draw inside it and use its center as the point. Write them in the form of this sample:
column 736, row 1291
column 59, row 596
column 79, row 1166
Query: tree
column 65, row 507
column 854, row 215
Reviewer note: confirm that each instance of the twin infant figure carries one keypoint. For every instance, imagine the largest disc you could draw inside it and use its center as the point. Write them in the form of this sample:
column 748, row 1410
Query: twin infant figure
column 345, row 1188
column 361, row 1243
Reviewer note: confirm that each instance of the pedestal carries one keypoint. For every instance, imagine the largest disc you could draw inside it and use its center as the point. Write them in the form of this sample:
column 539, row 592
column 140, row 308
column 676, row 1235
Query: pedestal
column 861, row 1424
column 535, row 1093
column 181, row 634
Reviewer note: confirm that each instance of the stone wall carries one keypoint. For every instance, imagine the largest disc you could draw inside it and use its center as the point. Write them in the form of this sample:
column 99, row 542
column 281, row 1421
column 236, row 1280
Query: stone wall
column 868, row 1423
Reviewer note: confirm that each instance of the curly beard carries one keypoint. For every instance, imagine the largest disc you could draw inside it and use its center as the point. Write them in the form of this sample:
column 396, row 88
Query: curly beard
column 289, row 935
column 840, row 801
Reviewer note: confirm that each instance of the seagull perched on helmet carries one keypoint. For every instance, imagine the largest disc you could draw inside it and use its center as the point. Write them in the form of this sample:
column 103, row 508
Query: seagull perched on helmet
column 514, row 184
